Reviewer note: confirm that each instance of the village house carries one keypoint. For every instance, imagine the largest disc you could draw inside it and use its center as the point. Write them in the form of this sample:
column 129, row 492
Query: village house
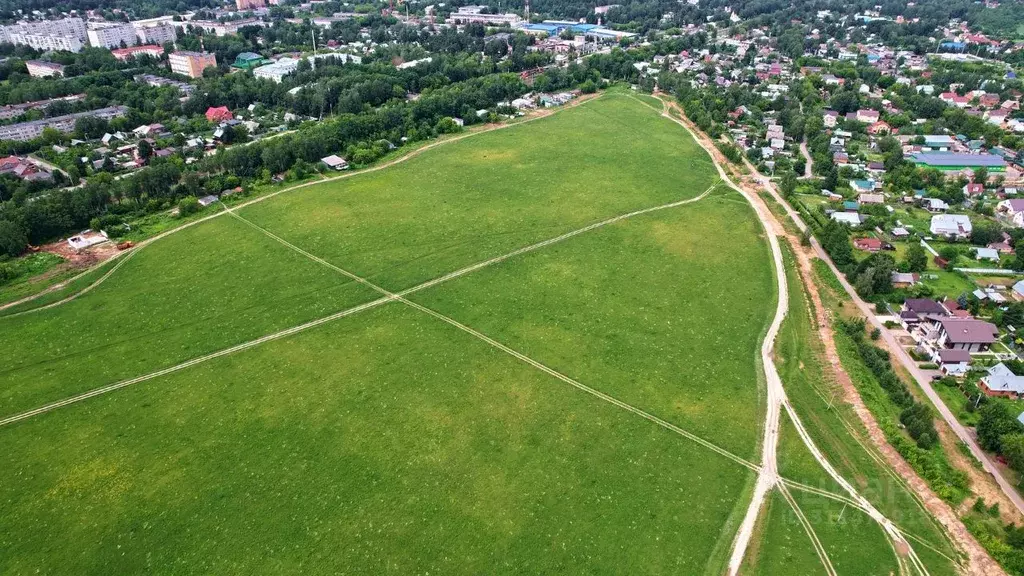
column 966, row 334
column 973, row 189
column 1001, row 381
column 334, row 162
column 866, row 116
column 218, row 114
column 904, row 279
column 1012, row 210
column 850, row 218
column 953, row 362
column 917, row 310
column 867, row 244
column 951, row 226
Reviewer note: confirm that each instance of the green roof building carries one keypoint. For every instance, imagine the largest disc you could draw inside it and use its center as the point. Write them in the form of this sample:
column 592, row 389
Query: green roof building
column 248, row 61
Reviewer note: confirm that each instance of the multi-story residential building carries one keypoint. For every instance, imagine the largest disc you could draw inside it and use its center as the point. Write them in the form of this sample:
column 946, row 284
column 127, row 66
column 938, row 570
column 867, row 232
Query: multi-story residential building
column 158, row 34
column 156, row 81
column 224, row 28
column 250, row 4
column 40, row 69
column 191, row 64
column 111, row 35
column 15, row 110
column 65, row 34
column 46, row 43
column 29, row 130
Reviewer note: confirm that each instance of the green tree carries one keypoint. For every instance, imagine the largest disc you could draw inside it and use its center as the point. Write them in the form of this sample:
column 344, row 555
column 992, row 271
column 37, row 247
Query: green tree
column 788, row 183
column 995, row 423
column 916, row 259
column 12, row 238
column 1013, row 450
column 188, row 205
column 981, row 175
column 145, row 149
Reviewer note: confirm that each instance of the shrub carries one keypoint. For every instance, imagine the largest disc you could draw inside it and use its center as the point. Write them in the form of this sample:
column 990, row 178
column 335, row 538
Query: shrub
column 188, row 205
column 7, row 273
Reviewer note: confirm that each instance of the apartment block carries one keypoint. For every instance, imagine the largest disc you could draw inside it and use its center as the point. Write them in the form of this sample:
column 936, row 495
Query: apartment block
column 191, row 64
column 64, row 34
column 104, row 35
column 29, row 130
column 158, row 34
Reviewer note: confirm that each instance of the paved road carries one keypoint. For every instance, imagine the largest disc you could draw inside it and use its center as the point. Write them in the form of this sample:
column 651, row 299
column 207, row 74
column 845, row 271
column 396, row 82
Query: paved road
column 900, row 354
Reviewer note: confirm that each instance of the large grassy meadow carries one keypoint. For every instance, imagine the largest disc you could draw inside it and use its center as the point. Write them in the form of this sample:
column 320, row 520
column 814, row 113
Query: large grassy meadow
column 390, row 442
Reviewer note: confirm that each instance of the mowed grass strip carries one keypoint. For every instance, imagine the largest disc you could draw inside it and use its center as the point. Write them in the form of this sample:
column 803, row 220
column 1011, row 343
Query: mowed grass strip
column 494, row 192
column 385, row 443
column 664, row 311
column 206, row 288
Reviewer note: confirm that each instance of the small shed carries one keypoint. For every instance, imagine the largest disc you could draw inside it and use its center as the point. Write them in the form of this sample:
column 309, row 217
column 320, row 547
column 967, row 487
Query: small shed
column 335, row 162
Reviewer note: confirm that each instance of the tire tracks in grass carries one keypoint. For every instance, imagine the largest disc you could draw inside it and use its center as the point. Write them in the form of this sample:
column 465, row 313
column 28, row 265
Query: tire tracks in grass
column 400, row 297
column 777, row 397
column 338, row 315
column 412, row 154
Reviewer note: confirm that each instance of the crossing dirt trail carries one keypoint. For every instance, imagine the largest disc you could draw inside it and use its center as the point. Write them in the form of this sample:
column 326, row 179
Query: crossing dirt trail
column 979, row 561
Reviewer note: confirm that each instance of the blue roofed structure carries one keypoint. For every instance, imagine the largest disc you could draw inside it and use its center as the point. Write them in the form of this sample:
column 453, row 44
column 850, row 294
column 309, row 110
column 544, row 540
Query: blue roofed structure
column 550, row 29
column 956, row 161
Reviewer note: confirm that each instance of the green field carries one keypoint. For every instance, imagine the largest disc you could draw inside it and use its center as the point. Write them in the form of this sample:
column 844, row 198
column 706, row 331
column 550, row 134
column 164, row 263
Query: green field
column 389, row 441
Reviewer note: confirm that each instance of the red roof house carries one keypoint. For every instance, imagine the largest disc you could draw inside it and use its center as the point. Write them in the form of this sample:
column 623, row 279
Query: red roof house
column 218, row 114
column 867, row 244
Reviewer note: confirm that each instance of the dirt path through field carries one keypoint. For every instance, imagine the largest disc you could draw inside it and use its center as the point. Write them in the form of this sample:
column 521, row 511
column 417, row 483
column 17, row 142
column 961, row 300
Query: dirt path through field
column 979, row 561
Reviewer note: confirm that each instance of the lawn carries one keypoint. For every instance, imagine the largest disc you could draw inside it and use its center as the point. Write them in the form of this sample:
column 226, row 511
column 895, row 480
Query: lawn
column 389, row 441
column 174, row 300
column 644, row 316
column 492, row 193
column 783, row 547
column 27, row 275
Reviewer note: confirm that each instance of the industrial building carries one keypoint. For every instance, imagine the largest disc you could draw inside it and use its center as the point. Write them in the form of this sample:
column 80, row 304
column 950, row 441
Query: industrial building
column 952, row 161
